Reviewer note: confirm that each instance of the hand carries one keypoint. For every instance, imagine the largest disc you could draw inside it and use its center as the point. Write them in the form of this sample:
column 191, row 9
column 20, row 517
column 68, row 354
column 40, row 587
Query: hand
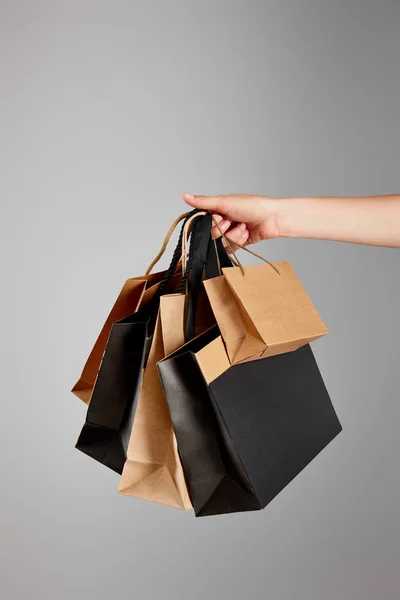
column 244, row 218
column 372, row 220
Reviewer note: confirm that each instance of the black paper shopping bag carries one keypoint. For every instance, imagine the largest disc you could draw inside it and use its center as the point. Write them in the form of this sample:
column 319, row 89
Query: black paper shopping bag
column 105, row 434
column 244, row 431
column 216, row 481
column 250, row 427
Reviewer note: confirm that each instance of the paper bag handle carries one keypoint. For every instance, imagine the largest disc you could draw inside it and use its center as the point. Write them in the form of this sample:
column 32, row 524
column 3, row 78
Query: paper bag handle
column 166, row 240
column 152, row 308
column 198, row 256
column 175, row 258
column 218, row 254
column 233, row 243
column 205, row 254
column 187, row 230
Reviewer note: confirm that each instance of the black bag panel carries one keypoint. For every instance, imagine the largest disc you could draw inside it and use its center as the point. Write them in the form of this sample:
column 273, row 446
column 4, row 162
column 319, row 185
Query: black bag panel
column 119, row 377
column 223, row 256
column 110, row 414
column 196, row 343
column 109, row 419
column 206, row 257
column 208, row 461
column 104, row 445
column 198, row 257
column 279, row 415
column 193, row 420
column 222, row 495
column 235, row 462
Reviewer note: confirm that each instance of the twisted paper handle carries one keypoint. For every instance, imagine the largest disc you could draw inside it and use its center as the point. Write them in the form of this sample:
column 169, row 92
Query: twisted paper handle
column 232, row 244
column 166, row 240
column 185, row 238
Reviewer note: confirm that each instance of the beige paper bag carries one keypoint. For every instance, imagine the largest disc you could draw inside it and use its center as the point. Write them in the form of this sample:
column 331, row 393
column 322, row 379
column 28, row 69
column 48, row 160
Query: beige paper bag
column 173, row 317
column 135, row 292
column 153, row 469
column 262, row 312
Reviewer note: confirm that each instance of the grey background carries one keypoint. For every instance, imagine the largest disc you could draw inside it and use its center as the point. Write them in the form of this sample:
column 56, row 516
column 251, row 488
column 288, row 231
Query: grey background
column 108, row 112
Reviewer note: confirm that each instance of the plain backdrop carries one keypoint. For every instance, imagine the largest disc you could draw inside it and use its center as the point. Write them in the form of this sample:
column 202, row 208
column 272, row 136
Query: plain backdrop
column 109, row 110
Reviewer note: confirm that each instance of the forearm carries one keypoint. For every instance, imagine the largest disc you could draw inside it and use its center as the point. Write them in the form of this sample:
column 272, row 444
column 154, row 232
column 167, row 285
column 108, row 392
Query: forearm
column 371, row 220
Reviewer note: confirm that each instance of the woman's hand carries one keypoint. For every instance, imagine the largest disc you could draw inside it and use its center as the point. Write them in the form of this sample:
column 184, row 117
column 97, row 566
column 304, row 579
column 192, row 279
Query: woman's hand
column 246, row 219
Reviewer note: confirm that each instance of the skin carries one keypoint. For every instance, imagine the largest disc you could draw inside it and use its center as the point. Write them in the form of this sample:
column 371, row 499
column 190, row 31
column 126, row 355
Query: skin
column 248, row 219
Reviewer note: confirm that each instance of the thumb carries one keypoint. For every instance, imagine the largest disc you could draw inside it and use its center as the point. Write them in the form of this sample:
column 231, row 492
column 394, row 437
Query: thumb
column 216, row 204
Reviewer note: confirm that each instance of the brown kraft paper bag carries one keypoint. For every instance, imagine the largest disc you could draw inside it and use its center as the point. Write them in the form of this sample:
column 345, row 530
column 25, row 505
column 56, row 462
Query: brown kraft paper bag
column 136, row 292
column 262, row 312
column 153, row 469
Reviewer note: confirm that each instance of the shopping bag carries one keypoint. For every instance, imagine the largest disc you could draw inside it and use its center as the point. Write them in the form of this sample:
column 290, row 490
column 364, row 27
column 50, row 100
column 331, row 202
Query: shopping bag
column 136, row 291
column 198, row 443
column 244, row 431
column 262, row 310
column 153, row 469
column 105, row 434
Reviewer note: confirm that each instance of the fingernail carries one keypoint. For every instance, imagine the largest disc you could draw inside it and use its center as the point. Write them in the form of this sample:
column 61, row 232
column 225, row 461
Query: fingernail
column 218, row 219
column 242, row 226
column 224, row 225
column 188, row 196
column 245, row 235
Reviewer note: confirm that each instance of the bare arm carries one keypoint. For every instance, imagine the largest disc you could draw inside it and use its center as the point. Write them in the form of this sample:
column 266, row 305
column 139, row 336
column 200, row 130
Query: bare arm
column 248, row 219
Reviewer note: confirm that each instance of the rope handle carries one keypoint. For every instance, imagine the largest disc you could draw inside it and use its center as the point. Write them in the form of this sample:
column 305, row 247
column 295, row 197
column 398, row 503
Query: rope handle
column 185, row 238
column 166, row 240
column 185, row 244
column 233, row 243
column 187, row 257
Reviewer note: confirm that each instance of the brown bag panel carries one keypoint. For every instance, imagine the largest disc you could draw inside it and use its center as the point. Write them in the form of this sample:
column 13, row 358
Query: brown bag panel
column 127, row 303
column 153, row 470
column 240, row 336
column 136, row 292
column 276, row 304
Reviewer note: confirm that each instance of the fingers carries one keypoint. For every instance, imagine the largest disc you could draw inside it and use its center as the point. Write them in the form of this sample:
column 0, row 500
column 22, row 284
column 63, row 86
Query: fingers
column 219, row 204
column 221, row 227
column 237, row 236
column 225, row 211
column 239, row 208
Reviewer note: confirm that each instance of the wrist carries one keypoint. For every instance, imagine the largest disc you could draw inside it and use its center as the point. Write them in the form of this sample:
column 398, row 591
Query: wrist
column 282, row 216
column 293, row 216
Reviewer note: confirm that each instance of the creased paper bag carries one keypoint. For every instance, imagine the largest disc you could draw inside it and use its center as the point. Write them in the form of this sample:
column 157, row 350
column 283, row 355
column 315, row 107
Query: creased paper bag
column 153, row 469
column 135, row 292
column 263, row 312
column 244, row 431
